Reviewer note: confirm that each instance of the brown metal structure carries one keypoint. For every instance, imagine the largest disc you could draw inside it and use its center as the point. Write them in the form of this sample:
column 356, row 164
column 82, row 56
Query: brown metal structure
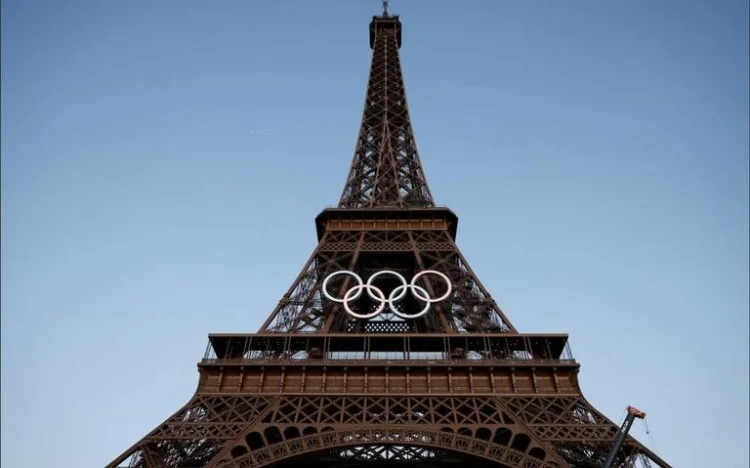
column 320, row 387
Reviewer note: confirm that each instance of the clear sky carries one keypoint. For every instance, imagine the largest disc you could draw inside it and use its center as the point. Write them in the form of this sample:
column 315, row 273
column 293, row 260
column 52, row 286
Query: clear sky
column 162, row 163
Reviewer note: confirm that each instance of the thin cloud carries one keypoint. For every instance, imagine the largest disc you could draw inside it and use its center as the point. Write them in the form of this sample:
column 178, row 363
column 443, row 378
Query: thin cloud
column 256, row 131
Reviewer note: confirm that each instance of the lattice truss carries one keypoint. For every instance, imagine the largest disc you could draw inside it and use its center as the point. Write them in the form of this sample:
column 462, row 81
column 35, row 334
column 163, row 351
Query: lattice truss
column 470, row 308
column 233, row 432
column 195, row 434
column 386, row 170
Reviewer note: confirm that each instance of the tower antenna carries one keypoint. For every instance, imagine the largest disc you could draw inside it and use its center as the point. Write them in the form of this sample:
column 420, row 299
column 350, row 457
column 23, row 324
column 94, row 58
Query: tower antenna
column 385, row 7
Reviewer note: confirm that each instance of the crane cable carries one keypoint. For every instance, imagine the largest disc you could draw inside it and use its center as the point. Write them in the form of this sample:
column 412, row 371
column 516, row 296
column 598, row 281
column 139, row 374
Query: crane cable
column 650, row 437
column 623, row 415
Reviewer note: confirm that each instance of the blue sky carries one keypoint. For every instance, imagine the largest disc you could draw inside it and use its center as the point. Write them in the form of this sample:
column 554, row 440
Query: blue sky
column 595, row 152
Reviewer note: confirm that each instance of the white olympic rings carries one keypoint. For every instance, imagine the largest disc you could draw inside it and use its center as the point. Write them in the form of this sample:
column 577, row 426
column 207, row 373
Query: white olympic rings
column 398, row 293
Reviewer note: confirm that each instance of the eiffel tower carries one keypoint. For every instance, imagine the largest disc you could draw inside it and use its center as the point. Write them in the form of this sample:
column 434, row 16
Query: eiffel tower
column 386, row 349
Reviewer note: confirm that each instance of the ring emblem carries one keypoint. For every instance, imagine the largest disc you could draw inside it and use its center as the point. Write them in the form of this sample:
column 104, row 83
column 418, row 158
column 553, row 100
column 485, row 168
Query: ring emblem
column 377, row 295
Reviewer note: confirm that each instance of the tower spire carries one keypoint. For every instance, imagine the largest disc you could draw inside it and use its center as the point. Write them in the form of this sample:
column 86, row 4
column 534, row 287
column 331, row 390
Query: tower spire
column 385, row 170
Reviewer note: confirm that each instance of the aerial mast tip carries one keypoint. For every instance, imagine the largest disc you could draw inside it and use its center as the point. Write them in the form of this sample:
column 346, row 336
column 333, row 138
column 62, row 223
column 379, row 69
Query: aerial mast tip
column 385, row 7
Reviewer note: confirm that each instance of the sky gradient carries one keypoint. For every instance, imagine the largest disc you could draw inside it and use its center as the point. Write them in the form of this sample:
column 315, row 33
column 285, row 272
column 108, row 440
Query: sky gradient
column 162, row 163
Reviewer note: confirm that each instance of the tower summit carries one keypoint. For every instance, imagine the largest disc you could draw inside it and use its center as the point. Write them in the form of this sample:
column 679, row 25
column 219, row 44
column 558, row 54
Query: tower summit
column 385, row 170
column 386, row 349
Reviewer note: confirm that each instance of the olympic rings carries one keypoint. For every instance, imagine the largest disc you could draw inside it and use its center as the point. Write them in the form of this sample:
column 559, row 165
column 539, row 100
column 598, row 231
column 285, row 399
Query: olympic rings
column 398, row 293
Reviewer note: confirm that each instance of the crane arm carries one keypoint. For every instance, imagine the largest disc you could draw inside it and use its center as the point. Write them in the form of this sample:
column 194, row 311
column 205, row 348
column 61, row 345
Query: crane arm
column 622, row 434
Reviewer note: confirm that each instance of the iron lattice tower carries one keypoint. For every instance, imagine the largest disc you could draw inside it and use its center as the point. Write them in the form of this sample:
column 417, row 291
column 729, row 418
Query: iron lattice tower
column 355, row 368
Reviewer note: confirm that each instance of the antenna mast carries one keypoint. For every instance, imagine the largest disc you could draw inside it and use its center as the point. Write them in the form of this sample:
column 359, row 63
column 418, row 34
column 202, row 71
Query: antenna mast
column 385, row 7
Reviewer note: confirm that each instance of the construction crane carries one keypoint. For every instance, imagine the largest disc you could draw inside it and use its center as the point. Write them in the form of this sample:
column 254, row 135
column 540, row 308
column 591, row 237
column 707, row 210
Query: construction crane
column 622, row 434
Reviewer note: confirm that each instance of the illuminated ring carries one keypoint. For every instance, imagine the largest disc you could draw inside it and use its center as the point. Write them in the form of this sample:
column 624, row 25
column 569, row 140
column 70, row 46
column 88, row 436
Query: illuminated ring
column 376, row 294
column 370, row 289
column 404, row 284
column 414, row 289
column 426, row 298
column 360, row 284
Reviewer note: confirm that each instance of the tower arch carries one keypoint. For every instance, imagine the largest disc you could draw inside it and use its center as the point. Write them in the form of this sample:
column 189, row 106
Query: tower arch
column 417, row 447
